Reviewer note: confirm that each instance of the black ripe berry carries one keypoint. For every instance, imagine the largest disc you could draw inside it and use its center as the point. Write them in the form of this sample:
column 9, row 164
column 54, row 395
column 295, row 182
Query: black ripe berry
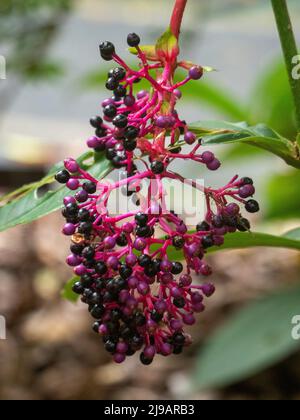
column 112, row 84
column 101, row 268
column 100, row 132
column 133, row 40
column 78, row 288
column 157, row 167
column 130, row 145
column 62, row 177
column 203, row 227
column 177, row 268
column 252, row 206
column 141, row 219
column 90, row 187
column 110, row 111
column 85, row 228
column 119, row 73
column 88, row 253
column 247, row 181
column 107, row 49
column 120, row 91
column 71, row 210
column 125, row 271
column 207, row 241
column 83, row 215
column 178, row 242
column 131, row 132
column 144, row 260
column 120, row 121
column 76, row 249
column 179, row 302
column 243, row 225
column 145, row 361
column 97, row 311
column 96, row 122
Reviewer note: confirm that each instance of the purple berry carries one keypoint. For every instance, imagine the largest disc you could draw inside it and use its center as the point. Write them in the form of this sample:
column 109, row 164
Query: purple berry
column 208, row 289
column 82, row 196
column 149, row 352
column 119, row 357
column 246, row 191
column 109, row 242
column 69, row 229
column 214, row 165
column 69, row 200
column 113, row 263
column 93, row 142
column 122, row 347
column 73, row 184
column 131, row 260
column 189, row 319
column 140, row 244
column 207, row 157
column 129, row 100
column 71, row 165
column 80, row 270
column 161, row 121
column 190, row 137
column 196, row 72
column 232, row 209
column 176, row 324
column 177, row 93
column 143, row 288
column 73, row 260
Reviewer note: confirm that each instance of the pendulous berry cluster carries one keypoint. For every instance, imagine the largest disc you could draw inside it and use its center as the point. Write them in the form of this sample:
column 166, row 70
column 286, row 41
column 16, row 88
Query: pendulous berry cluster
column 141, row 299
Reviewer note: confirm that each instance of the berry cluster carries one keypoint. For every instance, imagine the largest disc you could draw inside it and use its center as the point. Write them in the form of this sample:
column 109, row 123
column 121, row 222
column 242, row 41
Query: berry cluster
column 139, row 298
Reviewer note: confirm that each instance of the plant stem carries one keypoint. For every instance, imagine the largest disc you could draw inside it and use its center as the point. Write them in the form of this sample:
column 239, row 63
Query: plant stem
column 289, row 47
column 177, row 17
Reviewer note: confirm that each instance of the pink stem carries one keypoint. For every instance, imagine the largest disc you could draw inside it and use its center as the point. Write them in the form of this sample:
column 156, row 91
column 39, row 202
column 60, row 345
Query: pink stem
column 177, row 17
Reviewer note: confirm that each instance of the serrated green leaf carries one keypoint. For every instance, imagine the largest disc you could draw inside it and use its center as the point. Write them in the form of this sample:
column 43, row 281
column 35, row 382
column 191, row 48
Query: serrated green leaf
column 220, row 132
column 253, row 339
column 30, row 206
column 67, row 292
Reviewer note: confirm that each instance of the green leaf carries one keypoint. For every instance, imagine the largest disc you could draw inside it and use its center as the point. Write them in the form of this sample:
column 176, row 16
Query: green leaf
column 148, row 50
column 283, row 196
column 298, row 140
column 271, row 100
column 30, row 206
column 67, row 292
column 240, row 240
column 215, row 97
column 293, row 234
column 253, row 339
column 220, row 132
column 167, row 46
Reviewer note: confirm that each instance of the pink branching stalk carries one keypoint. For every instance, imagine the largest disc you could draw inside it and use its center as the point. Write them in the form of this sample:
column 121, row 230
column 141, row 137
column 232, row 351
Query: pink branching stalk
column 140, row 299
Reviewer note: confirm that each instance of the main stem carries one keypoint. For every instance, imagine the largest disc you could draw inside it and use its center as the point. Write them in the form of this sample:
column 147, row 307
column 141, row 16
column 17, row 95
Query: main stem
column 289, row 47
column 177, row 16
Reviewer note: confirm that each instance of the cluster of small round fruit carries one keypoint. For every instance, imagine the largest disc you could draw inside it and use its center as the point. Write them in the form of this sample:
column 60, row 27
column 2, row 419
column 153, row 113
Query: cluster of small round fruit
column 139, row 297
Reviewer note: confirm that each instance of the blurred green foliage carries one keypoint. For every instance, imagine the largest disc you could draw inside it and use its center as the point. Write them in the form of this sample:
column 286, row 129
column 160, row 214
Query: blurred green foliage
column 27, row 29
column 253, row 339
column 283, row 196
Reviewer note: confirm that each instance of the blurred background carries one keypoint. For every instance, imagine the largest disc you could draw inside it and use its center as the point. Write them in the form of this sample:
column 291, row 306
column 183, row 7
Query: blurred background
column 54, row 85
